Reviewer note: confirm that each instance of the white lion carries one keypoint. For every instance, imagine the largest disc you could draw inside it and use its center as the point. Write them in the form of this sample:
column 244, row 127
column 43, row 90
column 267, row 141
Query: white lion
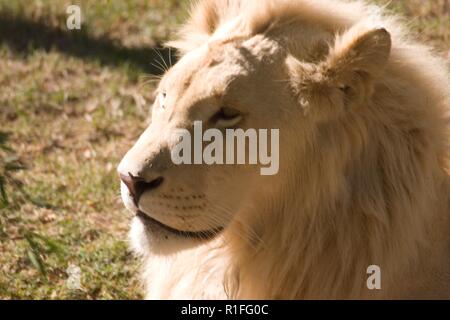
column 362, row 112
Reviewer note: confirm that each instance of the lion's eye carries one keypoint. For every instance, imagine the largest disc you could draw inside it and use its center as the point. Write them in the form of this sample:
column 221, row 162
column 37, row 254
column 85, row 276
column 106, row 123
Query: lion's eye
column 227, row 117
column 162, row 99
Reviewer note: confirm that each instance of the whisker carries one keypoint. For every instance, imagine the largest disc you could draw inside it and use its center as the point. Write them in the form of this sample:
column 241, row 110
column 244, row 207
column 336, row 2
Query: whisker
column 162, row 66
column 158, row 67
column 170, row 58
column 151, row 76
column 162, row 58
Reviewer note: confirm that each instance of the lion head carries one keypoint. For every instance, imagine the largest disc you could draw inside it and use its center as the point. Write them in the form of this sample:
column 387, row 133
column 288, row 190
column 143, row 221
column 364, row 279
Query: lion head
column 325, row 80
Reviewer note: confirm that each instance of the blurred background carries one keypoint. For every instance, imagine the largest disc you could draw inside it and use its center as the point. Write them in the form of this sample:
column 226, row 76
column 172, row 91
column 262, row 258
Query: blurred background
column 71, row 103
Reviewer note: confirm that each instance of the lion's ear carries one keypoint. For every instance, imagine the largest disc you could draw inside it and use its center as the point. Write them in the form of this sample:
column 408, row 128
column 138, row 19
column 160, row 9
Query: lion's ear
column 360, row 51
column 353, row 62
column 203, row 20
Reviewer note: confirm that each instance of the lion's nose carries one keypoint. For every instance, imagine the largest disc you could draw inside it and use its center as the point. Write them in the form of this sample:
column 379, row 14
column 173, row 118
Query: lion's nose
column 137, row 185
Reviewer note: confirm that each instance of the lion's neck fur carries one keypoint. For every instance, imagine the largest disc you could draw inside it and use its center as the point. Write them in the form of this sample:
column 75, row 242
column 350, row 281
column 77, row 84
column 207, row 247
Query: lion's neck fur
column 361, row 193
column 346, row 220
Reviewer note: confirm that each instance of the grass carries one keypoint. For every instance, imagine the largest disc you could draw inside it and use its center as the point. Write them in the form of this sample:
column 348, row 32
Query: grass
column 71, row 104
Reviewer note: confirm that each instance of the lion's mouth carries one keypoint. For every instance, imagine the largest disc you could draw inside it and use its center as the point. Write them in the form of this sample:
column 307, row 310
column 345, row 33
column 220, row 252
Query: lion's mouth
column 200, row 235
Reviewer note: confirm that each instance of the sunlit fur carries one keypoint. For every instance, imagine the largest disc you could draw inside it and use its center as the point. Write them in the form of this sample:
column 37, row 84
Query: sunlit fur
column 362, row 111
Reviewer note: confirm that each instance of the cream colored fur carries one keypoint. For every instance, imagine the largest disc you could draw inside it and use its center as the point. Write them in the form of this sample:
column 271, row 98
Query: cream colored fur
column 363, row 117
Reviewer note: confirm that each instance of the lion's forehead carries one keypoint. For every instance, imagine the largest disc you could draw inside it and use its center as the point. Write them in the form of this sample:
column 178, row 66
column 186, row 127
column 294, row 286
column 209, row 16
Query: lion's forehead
column 214, row 66
column 206, row 73
column 247, row 54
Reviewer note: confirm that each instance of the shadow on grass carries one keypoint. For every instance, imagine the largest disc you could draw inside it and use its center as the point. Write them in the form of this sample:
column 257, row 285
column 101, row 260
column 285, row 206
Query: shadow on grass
column 23, row 36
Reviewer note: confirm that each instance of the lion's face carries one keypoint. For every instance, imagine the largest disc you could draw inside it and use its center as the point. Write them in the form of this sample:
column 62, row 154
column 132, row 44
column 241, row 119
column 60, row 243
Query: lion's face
column 247, row 83
column 223, row 85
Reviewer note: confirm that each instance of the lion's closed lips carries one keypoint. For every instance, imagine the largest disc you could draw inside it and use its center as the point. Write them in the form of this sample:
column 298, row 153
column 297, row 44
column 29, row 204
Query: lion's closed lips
column 200, row 235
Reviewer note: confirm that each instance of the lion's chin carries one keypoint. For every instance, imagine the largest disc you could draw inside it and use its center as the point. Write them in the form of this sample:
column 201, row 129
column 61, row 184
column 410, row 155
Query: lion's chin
column 149, row 236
